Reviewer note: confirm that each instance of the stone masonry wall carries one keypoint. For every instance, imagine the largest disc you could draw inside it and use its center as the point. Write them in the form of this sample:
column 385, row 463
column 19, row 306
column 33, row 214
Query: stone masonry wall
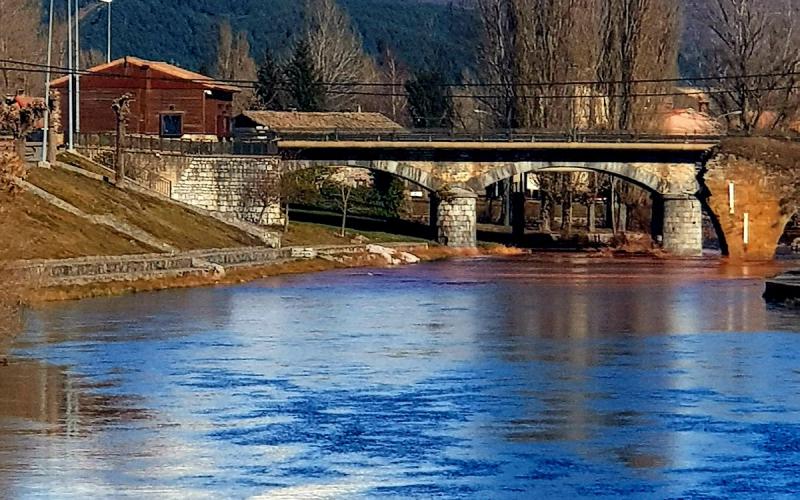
column 683, row 226
column 246, row 187
column 456, row 219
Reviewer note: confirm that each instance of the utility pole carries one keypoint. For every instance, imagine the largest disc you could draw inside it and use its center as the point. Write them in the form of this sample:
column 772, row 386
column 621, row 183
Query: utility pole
column 46, row 139
column 77, row 68
column 70, row 64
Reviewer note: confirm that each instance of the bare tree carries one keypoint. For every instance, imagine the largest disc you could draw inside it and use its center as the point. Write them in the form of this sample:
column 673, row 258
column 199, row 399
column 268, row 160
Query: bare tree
column 395, row 74
column 234, row 62
column 344, row 182
column 497, row 53
column 529, row 48
column 20, row 39
column 19, row 119
column 336, row 50
column 633, row 50
column 755, row 37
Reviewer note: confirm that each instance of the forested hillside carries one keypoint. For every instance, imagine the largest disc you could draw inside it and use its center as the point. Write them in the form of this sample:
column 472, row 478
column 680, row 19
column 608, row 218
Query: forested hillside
column 185, row 31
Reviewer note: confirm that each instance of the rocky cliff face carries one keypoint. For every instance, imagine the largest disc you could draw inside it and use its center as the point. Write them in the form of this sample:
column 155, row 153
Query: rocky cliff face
column 766, row 193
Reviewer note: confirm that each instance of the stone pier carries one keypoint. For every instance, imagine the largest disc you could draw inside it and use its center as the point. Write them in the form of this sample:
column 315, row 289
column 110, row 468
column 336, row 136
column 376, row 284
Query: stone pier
column 683, row 225
column 456, row 218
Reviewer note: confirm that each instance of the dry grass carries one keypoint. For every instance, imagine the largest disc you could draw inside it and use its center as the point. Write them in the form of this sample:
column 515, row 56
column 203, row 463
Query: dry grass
column 785, row 155
column 10, row 166
column 81, row 162
column 34, row 229
column 166, row 221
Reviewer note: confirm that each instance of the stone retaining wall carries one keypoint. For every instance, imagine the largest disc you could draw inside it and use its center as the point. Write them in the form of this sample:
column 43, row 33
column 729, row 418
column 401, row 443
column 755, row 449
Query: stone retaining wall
column 84, row 270
column 229, row 186
column 245, row 187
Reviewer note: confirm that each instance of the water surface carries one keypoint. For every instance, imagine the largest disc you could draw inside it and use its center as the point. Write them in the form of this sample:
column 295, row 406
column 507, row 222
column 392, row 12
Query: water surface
column 556, row 376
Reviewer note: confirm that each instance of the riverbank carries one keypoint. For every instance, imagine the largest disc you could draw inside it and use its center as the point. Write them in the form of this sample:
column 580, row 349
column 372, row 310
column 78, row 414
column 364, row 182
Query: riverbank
column 290, row 260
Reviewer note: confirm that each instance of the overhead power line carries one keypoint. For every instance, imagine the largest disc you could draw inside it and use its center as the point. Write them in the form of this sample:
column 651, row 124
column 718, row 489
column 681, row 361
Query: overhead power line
column 564, row 83
column 251, row 84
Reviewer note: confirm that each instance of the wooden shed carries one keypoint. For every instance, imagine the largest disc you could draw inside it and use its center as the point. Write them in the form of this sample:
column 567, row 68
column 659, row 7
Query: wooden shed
column 168, row 101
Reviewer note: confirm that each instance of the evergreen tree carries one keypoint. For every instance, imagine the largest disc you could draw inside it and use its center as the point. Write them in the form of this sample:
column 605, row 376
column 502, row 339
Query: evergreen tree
column 429, row 101
column 304, row 86
column 268, row 95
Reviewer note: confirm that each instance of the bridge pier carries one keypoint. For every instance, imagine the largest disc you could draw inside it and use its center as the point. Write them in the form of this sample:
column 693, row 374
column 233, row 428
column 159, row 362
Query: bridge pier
column 456, row 218
column 683, row 225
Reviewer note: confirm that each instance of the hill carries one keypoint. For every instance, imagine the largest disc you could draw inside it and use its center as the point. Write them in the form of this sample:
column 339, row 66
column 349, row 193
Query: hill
column 440, row 33
column 185, row 31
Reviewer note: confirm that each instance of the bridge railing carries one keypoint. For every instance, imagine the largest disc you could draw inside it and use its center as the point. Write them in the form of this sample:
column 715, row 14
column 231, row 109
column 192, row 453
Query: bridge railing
column 187, row 147
column 443, row 135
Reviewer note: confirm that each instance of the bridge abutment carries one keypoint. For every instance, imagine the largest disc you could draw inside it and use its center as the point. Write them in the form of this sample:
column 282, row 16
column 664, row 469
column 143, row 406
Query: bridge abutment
column 456, row 218
column 683, row 225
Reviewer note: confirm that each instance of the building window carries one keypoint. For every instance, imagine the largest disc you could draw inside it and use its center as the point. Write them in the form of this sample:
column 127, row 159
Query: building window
column 171, row 125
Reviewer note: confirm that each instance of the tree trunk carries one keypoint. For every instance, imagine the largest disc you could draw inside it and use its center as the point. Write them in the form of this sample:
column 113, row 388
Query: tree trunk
column 591, row 223
column 623, row 218
column 613, row 205
column 119, row 160
column 345, row 199
column 286, row 219
column 19, row 147
column 52, row 149
column 506, row 216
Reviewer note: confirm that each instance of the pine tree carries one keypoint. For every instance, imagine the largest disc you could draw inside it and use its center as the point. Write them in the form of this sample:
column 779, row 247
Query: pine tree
column 429, row 102
column 305, row 90
column 268, row 95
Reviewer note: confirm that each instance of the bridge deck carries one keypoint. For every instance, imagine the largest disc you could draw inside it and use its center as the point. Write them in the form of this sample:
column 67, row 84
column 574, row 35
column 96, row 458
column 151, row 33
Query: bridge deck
column 496, row 145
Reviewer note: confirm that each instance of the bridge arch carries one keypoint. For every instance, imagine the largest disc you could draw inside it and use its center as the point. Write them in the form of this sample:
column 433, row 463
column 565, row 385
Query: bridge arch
column 644, row 175
column 405, row 170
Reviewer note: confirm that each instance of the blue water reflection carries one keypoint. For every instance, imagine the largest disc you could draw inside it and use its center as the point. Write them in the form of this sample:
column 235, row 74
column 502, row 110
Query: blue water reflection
column 556, row 377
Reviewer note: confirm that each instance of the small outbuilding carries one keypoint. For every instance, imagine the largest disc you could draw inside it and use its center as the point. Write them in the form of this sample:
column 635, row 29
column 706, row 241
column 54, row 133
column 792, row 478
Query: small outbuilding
column 168, row 101
column 272, row 123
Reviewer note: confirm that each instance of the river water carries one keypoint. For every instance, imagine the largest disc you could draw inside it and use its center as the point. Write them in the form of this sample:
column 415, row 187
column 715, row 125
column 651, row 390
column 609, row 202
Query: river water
column 551, row 377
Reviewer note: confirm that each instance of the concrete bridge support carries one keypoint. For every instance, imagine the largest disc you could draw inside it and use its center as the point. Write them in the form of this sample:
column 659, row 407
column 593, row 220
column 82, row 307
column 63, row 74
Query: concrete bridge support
column 456, row 218
column 683, row 225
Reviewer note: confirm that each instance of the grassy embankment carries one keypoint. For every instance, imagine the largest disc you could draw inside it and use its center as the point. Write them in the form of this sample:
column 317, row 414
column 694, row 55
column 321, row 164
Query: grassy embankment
column 35, row 229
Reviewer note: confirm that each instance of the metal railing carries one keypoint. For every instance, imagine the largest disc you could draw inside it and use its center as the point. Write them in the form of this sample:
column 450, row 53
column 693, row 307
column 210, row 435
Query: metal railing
column 262, row 144
column 188, row 147
column 494, row 136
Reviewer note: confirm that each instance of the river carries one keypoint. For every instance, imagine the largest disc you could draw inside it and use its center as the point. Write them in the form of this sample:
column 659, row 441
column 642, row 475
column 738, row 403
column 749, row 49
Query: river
column 557, row 376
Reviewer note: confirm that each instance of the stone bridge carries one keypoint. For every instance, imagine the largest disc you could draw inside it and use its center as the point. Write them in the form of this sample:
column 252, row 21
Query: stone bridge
column 456, row 173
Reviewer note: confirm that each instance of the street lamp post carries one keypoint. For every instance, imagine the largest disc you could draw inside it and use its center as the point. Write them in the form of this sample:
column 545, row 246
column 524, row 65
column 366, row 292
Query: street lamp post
column 108, row 31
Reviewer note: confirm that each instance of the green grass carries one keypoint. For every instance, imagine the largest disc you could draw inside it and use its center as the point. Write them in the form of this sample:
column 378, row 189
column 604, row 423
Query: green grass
column 307, row 234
